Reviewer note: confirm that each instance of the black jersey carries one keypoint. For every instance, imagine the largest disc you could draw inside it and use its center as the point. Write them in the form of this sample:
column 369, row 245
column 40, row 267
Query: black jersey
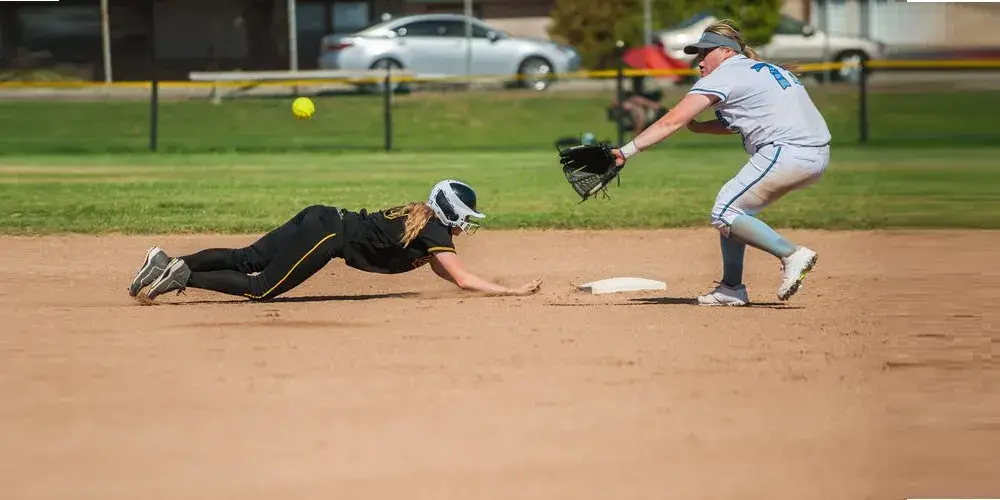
column 373, row 241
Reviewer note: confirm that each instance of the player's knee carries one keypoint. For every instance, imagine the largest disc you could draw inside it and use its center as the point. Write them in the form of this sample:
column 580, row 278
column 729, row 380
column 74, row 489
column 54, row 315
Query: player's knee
column 261, row 290
column 248, row 259
column 720, row 225
column 723, row 218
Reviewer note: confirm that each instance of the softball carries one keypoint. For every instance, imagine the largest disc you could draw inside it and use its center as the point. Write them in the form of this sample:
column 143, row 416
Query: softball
column 303, row 108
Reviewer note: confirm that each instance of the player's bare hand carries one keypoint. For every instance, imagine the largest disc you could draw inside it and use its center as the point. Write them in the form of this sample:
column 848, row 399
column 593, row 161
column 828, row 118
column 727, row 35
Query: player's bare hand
column 619, row 157
column 528, row 288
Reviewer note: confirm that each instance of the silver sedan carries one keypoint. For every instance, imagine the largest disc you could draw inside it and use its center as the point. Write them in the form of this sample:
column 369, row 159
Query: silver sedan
column 435, row 45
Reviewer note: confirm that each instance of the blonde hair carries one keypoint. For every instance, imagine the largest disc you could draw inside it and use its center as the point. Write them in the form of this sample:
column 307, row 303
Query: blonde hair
column 727, row 28
column 417, row 216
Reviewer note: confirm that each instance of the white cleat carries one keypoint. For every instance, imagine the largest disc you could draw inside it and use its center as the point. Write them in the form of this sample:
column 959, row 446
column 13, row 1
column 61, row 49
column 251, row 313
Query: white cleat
column 794, row 269
column 725, row 296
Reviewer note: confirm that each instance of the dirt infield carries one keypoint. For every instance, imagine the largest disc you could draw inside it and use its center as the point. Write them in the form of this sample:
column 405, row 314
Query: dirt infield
column 874, row 382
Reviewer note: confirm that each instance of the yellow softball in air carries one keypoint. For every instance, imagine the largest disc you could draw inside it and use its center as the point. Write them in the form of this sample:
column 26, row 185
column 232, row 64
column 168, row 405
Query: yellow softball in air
column 303, row 108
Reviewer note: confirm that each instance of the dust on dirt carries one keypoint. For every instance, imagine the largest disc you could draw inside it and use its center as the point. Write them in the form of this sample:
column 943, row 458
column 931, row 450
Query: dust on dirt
column 875, row 381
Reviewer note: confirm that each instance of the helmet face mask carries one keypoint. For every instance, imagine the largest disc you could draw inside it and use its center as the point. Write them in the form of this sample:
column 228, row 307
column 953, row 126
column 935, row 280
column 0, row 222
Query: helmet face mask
column 454, row 203
column 468, row 226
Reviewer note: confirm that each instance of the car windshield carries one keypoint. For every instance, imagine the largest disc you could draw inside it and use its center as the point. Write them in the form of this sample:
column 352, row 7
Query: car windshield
column 691, row 21
column 790, row 26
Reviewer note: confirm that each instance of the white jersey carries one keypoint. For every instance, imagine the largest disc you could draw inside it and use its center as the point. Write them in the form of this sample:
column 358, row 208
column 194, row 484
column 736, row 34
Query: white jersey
column 765, row 103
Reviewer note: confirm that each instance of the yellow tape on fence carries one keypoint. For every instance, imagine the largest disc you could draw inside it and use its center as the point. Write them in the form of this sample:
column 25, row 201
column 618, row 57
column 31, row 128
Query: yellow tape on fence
column 576, row 75
column 940, row 64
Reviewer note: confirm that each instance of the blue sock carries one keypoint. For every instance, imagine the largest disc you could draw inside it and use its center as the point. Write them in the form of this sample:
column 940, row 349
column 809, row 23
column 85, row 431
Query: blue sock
column 732, row 261
column 756, row 233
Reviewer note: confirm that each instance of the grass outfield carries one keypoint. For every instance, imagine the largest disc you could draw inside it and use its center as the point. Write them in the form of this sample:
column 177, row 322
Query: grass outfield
column 660, row 188
column 440, row 121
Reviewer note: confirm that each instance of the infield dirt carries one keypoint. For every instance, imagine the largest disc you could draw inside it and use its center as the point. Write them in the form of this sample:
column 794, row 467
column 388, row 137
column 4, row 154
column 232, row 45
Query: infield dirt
column 875, row 381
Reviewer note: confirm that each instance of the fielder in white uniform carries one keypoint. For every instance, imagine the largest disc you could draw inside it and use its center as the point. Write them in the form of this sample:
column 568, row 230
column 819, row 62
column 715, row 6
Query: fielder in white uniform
column 785, row 135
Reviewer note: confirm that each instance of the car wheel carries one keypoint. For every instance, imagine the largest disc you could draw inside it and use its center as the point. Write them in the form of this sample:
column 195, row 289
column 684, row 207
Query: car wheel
column 381, row 64
column 535, row 73
column 850, row 74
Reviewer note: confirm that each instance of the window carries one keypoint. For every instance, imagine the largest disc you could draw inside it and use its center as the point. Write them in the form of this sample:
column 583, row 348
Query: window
column 349, row 17
column 309, row 17
column 423, row 28
column 454, row 28
column 445, row 28
column 457, row 29
column 479, row 31
column 47, row 23
column 789, row 26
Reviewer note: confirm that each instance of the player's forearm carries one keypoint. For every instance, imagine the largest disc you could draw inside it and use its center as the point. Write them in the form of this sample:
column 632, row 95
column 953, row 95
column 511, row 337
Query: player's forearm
column 471, row 282
column 678, row 117
column 656, row 132
column 709, row 127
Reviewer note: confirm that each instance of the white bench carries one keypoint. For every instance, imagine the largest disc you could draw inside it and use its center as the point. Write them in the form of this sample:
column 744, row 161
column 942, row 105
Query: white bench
column 294, row 78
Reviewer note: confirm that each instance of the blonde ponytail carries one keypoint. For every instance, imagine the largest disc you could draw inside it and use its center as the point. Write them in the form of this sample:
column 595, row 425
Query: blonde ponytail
column 727, row 28
column 417, row 216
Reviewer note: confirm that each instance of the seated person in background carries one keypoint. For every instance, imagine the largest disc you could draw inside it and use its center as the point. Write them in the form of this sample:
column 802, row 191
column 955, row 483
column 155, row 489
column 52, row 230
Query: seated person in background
column 641, row 107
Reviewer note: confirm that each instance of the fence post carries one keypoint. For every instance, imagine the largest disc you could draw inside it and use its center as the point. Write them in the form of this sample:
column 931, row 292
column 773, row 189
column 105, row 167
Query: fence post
column 863, row 102
column 154, row 97
column 620, row 81
column 387, row 104
column 154, row 113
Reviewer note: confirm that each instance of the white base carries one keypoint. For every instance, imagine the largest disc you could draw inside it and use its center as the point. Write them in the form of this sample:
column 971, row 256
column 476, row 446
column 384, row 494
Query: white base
column 623, row 284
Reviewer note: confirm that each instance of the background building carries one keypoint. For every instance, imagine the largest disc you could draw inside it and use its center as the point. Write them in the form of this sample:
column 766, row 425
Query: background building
column 909, row 26
column 65, row 37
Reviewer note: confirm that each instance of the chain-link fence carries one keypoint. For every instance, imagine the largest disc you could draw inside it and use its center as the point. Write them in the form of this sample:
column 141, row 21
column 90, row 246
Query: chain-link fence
column 929, row 106
column 54, row 99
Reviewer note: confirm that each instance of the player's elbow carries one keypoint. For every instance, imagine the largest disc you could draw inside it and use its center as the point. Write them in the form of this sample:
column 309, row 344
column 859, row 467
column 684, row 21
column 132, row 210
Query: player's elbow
column 468, row 283
column 674, row 120
column 461, row 280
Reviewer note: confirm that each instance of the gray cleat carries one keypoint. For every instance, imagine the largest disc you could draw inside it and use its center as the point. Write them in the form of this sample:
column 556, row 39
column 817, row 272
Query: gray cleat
column 156, row 262
column 175, row 277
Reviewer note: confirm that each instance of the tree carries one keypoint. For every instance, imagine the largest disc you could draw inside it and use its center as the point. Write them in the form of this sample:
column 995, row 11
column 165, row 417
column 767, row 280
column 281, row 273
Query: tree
column 757, row 20
column 593, row 26
column 589, row 26
column 665, row 13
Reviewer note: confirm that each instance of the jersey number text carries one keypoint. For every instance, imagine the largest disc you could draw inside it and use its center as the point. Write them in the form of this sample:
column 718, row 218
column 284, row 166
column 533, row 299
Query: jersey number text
column 776, row 73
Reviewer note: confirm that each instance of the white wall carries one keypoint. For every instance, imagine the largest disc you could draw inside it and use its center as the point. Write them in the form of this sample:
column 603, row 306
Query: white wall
column 893, row 23
column 909, row 24
column 973, row 24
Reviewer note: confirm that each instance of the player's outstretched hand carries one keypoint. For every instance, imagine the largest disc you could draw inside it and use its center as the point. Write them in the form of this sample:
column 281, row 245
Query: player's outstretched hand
column 528, row 288
column 619, row 157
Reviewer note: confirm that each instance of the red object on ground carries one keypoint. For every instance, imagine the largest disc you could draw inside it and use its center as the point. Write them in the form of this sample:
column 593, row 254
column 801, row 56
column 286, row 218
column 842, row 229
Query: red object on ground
column 652, row 57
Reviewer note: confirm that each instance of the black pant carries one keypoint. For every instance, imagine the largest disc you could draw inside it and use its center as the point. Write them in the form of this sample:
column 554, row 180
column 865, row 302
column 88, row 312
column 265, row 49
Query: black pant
column 284, row 257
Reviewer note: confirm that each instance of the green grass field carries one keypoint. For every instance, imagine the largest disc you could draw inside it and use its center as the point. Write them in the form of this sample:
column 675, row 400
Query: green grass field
column 83, row 166
column 442, row 121
column 665, row 187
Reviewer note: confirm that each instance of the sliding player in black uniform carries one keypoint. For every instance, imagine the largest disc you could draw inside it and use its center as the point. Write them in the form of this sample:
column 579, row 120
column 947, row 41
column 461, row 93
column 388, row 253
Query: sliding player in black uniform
column 390, row 241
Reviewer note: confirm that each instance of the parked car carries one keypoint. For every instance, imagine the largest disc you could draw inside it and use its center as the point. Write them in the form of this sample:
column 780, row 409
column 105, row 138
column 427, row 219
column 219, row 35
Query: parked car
column 435, row 45
column 793, row 42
